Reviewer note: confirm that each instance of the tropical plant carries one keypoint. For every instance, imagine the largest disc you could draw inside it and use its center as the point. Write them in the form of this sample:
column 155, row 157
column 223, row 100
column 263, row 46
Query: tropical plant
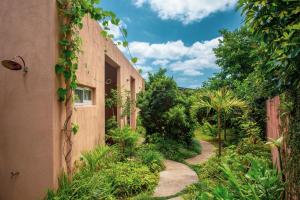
column 277, row 143
column 125, row 138
column 222, row 101
column 151, row 157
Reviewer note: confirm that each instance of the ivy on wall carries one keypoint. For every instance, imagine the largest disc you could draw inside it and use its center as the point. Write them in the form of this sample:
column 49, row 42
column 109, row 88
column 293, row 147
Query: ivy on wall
column 72, row 13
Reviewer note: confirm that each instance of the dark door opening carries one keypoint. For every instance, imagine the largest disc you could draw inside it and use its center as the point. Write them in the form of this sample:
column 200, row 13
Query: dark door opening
column 111, row 92
column 133, row 100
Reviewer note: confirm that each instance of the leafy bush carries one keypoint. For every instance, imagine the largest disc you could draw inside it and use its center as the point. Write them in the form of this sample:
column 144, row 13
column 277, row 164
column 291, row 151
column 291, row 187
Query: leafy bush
column 131, row 178
column 111, row 124
column 101, row 175
column 164, row 109
column 209, row 129
column 259, row 182
column 101, row 157
column 243, row 172
column 125, row 138
column 151, row 157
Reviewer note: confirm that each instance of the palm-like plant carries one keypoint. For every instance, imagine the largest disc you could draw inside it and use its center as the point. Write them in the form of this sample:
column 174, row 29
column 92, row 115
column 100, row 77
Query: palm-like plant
column 221, row 101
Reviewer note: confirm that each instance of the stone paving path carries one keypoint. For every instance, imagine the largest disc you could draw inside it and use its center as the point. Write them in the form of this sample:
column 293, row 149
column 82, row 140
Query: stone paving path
column 177, row 176
column 207, row 151
column 174, row 178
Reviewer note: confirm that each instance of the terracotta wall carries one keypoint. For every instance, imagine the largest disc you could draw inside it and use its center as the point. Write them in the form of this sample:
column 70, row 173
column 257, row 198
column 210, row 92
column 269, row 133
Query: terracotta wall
column 273, row 124
column 31, row 118
column 26, row 101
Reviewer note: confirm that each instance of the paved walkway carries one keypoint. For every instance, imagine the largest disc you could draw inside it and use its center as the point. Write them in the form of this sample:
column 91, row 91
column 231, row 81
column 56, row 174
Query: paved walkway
column 177, row 176
column 207, row 151
column 174, row 179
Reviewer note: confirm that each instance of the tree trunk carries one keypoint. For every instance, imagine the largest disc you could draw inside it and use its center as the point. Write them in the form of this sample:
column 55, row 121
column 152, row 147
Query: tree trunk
column 219, row 133
column 68, row 128
column 69, row 109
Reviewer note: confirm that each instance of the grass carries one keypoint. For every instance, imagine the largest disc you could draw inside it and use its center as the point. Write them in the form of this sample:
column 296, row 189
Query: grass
column 211, row 139
column 208, row 138
column 173, row 150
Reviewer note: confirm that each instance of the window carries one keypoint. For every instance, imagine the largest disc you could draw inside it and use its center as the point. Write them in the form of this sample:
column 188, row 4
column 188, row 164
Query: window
column 83, row 96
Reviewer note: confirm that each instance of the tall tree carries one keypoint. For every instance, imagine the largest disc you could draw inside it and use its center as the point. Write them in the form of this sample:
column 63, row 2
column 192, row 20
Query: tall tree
column 221, row 101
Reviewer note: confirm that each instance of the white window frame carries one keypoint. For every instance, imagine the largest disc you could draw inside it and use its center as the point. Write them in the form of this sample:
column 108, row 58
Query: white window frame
column 86, row 102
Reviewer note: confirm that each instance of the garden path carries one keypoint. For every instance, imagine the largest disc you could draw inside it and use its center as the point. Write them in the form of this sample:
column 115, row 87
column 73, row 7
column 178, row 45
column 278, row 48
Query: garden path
column 207, row 151
column 174, row 179
column 177, row 176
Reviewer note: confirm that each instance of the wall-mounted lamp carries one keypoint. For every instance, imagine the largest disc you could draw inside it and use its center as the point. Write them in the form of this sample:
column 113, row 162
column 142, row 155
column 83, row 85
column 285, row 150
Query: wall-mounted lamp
column 108, row 81
column 13, row 65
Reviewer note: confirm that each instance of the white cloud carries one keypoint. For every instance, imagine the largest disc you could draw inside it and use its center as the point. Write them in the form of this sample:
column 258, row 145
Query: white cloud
column 170, row 50
column 186, row 11
column 177, row 57
column 161, row 62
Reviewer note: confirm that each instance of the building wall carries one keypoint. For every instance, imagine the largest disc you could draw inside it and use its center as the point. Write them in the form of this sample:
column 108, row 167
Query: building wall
column 26, row 101
column 31, row 118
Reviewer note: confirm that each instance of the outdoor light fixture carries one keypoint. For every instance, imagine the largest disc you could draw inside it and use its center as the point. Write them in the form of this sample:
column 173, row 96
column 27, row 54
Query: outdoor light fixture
column 13, row 65
column 108, row 81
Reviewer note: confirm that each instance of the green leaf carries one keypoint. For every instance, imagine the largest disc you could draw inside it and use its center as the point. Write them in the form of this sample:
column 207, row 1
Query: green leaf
column 59, row 69
column 124, row 31
column 73, row 85
column 75, row 128
column 104, row 34
column 68, row 53
column 61, row 92
column 125, row 44
column 67, row 74
column 134, row 60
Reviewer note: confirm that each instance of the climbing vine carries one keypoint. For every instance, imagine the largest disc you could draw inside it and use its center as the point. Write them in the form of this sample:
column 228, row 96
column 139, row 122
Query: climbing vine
column 72, row 13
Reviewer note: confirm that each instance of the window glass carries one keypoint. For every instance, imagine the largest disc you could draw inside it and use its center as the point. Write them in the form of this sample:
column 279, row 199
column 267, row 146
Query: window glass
column 83, row 96
column 87, row 95
column 78, row 95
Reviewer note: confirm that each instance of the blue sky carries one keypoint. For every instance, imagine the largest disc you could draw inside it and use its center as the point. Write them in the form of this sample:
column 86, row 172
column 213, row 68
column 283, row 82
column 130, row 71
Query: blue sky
column 175, row 34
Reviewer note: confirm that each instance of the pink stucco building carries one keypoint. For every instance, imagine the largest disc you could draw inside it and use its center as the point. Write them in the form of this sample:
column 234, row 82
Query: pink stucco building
column 31, row 118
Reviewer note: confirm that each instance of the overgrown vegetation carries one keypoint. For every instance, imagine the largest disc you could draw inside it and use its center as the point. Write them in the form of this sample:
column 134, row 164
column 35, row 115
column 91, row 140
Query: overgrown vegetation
column 122, row 170
column 261, row 60
column 164, row 109
column 218, row 102
column 243, row 172
column 165, row 114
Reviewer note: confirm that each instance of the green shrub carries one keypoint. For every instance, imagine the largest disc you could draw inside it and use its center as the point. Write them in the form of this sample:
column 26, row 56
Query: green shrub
column 259, row 148
column 243, row 172
column 152, row 158
column 125, row 138
column 259, row 182
column 209, row 129
column 111, row 124
column 101, row 175
column 101, row 157
column 164, row 109
column 131, row 178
